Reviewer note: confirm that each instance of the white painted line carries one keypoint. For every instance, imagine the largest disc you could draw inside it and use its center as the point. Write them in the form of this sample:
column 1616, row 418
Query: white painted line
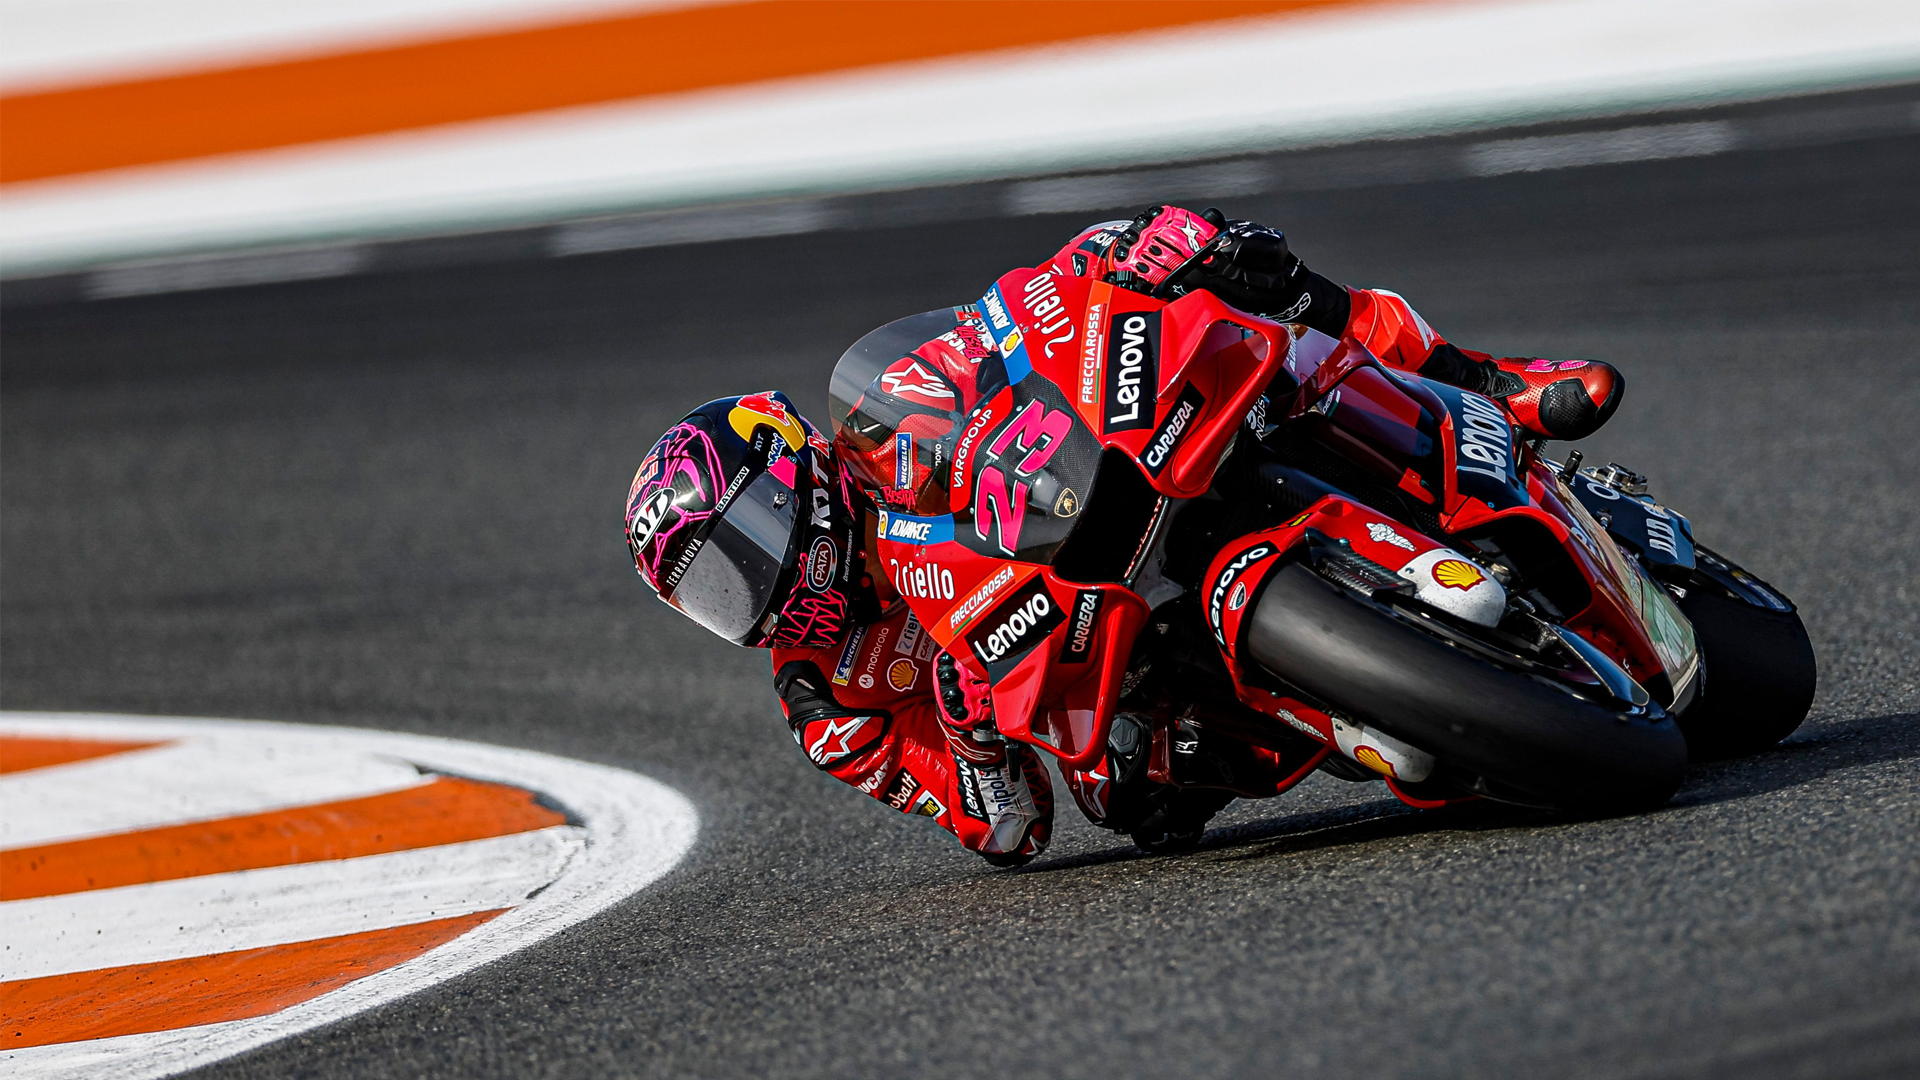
column 222, row 271
column 636, row 830
column 251, row 909
column 1651, row 142
column 1104, row 190
column 1255, row 84
column 143, row 789
column 687, row 227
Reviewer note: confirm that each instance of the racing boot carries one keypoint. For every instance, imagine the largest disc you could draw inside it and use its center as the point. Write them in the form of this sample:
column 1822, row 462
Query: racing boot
column 1554, row 399
column 1118, row 794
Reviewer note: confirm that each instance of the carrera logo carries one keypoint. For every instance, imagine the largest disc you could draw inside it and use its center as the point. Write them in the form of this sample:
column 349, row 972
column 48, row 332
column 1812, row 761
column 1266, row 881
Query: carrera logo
column 1021, row 621
column 821, row 563
column 1133, row 349
column 1483, row 437
column 1086, row 616
column 1049, row 316
column 1165, row 441
column 1227, row 581
column 911, row 380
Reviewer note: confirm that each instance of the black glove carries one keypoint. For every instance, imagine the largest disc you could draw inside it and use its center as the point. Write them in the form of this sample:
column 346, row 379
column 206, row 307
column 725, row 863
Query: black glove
column 1250, row 266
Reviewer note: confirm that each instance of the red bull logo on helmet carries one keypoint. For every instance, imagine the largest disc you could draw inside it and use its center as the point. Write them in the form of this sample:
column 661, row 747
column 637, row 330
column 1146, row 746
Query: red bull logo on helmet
column 756, row 410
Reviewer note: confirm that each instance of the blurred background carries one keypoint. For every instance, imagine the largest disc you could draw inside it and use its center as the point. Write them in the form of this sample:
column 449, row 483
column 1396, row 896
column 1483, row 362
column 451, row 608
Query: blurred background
column 136, row 128
column 332, row 332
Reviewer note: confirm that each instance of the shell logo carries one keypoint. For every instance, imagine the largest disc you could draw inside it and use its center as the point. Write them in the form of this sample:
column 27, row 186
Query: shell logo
column 1368, row 756
column 901, row 673
column 1457, row 574
column 755, row 410
column 176, row 891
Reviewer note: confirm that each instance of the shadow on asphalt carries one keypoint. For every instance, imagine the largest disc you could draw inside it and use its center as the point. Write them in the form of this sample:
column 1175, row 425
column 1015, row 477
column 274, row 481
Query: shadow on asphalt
column 1819, row 752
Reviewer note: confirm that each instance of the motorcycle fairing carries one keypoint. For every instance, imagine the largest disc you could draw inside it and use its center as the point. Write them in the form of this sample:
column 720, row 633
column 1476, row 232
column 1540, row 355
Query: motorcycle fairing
column 1660, row 538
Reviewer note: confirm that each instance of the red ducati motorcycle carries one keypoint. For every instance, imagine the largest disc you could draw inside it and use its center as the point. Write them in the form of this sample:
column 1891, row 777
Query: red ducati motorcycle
column 1237, row 533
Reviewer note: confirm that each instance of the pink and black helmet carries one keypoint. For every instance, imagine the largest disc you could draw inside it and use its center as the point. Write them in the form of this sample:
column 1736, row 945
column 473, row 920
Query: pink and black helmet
column 740, row 518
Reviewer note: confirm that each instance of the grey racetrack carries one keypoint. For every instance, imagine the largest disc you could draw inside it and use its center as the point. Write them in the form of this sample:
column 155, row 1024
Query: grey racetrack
column 393, row 500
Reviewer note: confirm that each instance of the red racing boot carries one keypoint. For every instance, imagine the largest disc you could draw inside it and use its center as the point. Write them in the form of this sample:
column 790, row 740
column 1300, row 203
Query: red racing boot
column 1555, row 399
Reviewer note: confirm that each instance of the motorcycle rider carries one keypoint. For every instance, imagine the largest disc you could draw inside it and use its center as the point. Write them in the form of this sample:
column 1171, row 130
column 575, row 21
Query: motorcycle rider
column 745, row 518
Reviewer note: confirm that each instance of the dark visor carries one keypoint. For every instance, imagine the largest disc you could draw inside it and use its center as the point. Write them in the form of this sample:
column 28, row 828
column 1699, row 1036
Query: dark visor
column 734, row 578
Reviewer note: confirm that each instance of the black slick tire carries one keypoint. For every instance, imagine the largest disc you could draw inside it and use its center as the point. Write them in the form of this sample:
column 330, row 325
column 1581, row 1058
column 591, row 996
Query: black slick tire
column 1521, row 731
column 1760, row 676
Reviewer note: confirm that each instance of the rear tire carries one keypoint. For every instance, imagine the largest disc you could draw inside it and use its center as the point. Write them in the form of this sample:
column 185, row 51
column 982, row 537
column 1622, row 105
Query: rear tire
column 1760, row 676
column 1522, row 732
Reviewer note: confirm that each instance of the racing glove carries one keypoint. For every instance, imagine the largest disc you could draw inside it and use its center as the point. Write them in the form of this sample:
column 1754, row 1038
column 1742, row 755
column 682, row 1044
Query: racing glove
column 1250, row 266
column 1001, row 785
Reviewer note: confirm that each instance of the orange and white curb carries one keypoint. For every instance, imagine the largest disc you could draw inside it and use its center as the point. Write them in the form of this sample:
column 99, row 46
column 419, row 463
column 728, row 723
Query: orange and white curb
column 174, row 891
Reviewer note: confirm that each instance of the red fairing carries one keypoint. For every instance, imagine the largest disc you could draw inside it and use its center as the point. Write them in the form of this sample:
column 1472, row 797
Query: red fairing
column 893, row 747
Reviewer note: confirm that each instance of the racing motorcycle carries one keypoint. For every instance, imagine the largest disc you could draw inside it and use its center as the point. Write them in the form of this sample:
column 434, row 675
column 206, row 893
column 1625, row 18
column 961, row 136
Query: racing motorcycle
column 1228, row 531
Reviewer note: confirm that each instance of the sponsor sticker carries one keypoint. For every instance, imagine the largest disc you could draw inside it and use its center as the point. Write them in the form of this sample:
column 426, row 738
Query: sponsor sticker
column 925, row 805
column 848, row 654
column 910, row 379
column 1382, row 533
column 1067, row 505
column 908, row 529
column 978, row 425
column 909, row 636
column 901, row 673
column 903, row 460
column 968, row 783
column 1090, row 356
column 1457, row 574
column 920, row 580
column 835, row 738
column 1052, row 322
column 822, row 561
column 980, row 598
column 1133, row 381
column 1012, row 629
column 1304, row 727
column 1222, row 585
column 756, row 410
column 1237, row 599
column 1172, row 430
column 901, row 792
column 1086, row 622
column 1483, row 441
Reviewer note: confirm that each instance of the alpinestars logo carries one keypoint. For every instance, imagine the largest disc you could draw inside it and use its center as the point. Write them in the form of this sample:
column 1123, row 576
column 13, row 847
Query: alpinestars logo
column 1173, row 429
column 910, row 379
column 1011, row 630
column 835, row 739
column 1133, row 351
column 1218, row 599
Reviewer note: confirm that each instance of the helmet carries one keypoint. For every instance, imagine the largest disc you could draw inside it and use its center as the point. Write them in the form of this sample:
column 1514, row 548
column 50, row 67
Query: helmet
column 740, row 518
column 1156, row 246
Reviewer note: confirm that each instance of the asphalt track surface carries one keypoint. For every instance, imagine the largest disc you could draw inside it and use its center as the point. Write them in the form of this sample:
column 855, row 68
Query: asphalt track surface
column 393, row 501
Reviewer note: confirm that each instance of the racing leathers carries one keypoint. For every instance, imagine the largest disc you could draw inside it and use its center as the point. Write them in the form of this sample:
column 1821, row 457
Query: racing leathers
column 886, row 711
column 871, row 712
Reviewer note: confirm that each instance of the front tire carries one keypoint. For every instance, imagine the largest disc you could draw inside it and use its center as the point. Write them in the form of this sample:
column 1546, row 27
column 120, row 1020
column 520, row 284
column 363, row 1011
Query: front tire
column 1760, row 676
column 1524, row 733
